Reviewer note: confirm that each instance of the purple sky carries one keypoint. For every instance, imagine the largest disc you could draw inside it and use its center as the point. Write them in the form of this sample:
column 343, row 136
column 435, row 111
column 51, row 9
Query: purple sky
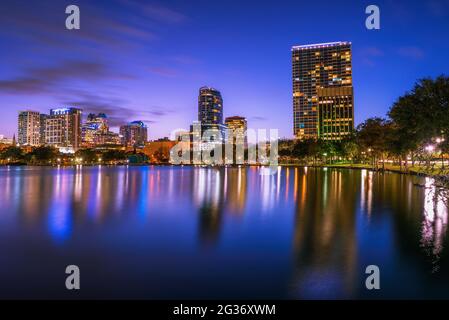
column 145, row 60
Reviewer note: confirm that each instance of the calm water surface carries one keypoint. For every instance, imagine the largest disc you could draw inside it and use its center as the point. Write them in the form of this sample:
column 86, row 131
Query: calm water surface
column 184, row 232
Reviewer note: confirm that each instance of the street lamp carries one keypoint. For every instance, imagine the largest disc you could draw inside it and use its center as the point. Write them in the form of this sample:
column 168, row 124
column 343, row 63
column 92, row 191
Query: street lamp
column 325, row 157
column 440, row 140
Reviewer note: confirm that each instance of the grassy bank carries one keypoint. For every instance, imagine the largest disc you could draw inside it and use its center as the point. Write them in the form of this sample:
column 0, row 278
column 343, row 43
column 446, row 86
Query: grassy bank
column 413, row 170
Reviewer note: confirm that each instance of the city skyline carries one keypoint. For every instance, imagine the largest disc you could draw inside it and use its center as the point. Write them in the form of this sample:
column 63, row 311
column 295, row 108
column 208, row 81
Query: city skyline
column 253, row 72
column 224, row 158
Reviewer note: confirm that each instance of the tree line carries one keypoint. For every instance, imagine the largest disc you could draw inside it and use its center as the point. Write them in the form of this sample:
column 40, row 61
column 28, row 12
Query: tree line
column 414, row 132
column 45, row 155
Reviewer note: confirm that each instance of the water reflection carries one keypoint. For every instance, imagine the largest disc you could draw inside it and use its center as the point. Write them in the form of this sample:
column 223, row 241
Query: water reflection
column 216, row 191
column 302, row 232
column 366, row 191
column 325, row 244
column 434, row 225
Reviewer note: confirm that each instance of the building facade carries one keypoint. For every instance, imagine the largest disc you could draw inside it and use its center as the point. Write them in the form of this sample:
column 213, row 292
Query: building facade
column 159, row 151
column 29, row 127
column 63, row 128
column 95, row 132
column 134, row 134
column 323, row 100
column 95, row 125
column 238, row 126
column 210, row 106
column 210, row 118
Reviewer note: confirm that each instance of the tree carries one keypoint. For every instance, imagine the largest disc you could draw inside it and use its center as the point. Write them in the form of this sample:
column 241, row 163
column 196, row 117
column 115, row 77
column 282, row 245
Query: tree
column 329, row 149
column 306, row 149
column 88, row 155
column 373, row 136
column 162, row 154
column 420, row 117
column 137, row 158
column 423, row 114
column 42, row 155
column 349, row 147
column 12, row 153
column 114, row 155
column 285, row 147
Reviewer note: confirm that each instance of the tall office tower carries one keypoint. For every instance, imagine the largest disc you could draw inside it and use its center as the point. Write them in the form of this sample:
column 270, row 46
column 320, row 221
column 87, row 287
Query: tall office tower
column 42, row 120
column 210, row 115
column 237, row 137
column 63, row 128
column 323, row 101
column 29, row 128
column 134, row 134
column 238, row 125
column 210, row 107
column 93, row 130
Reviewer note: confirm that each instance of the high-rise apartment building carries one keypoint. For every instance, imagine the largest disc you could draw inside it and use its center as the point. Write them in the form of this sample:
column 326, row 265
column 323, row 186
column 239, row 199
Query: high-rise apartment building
column 210, row 116
column 237, row 137
column 238, row 126
column 210, row 106
column 63, row 128
column 95, row 130
column 323, row 100
column 29, row 128
column 134, row 134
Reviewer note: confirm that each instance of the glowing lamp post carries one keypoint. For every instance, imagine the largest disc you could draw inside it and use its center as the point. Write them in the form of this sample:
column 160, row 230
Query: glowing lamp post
column 325, row 158
column 441, row 140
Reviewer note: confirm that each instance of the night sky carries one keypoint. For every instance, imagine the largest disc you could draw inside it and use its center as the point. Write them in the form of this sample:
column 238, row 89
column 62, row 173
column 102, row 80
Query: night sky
column 145, row 60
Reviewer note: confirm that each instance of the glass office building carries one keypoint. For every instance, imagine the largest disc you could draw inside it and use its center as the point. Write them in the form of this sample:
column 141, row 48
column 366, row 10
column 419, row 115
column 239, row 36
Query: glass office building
column 323, row 100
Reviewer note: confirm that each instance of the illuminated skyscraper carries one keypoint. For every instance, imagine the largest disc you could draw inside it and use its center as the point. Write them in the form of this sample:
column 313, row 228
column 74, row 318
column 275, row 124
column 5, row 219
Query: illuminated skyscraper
column 210, row 106
column 95, row 128
column 63, row 128
column 29, row 128
column 134, row 134
column 210, row 117
column 323, row 101
column 238, row 125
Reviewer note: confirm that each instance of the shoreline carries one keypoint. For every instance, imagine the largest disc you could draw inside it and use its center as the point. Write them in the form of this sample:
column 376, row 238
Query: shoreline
column 417, row 171
column 441, row 180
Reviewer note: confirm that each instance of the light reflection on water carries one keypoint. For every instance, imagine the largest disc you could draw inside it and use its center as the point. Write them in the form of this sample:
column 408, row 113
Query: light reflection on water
column 184, row 232
column 434, row 225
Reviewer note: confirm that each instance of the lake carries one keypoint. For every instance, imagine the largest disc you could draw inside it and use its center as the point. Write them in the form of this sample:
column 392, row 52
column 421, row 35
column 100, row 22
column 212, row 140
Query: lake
column 163, row 232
